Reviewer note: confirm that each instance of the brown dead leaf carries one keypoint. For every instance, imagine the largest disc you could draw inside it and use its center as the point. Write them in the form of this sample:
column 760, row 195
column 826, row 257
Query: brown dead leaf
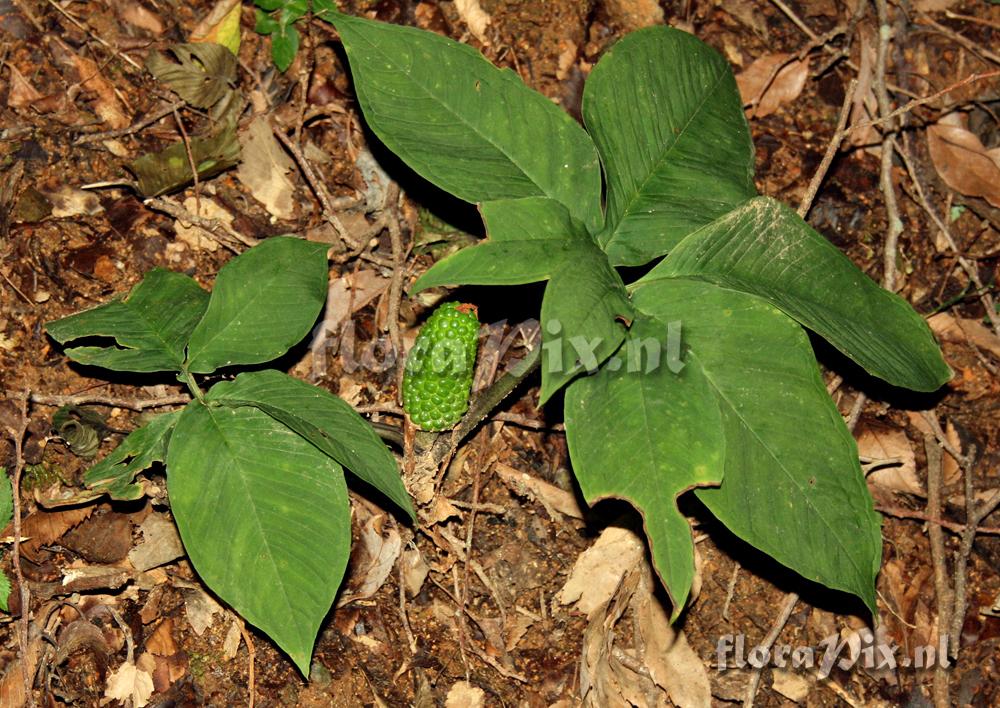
column 474, row 17
column 107, row 105
column 21, row 93
column 962, row 161
column 137, row 15
column 951, row 329
column 132, row 682
column 951, row 472
column 598, row 571
column 634, row 14
column 748, row 13
column 264, row 169
column 555, row 500
column 161, row 543
column 414, row 570
column 195, row 236
column 373, row 558
column 44, row 527
column 765, row 95
column 790, row 684
column 881, row 443
column 464, row 695
column 69, row 201
column 199, row 606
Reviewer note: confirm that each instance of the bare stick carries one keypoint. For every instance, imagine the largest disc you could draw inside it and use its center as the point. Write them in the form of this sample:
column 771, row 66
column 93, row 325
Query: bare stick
column 398, row 273
column 132, row 404
column 939, row 560
column 977, row 49
column 134, row 128
column 772, row 636
column 831, row 151
column 212, row 226
column 895, row 225
column 17, row 435
column 954, row 527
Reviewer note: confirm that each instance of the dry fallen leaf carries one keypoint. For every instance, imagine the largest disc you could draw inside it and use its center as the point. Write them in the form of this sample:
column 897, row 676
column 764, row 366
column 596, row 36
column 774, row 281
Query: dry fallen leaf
column 264, row 169
column 555, row 500
column 21, row 93
column 221, row 25
column 598, row 571
column 43, row 527
column 139, row 16
column 765, row 97
column 195, row 236
column 69, row 201
column 475, row 18
column 464, row 695
column 132, row 682
column 963, row 161
column 634, row 14
column 951, row 329
column 790, row 684
column 107, row 104
column 161, row 543
column 373, row 558
column 880, row 443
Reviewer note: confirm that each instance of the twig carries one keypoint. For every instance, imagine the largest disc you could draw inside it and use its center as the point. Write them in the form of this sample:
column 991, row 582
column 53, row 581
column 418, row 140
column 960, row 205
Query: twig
column 318, row 188
column 730, row 590
column 779, row 623
column 971, row 269
column 212, row 226
column 132, row 404
column 953, row 526
column 939, row 560
column 392, row 197
column 895, row 224
column 17, row 435
column 191, row 163
column 976, row 49
column 134, row 128
column 410, row 639
column 97, row 38
column 251, row 661
column 831, row 151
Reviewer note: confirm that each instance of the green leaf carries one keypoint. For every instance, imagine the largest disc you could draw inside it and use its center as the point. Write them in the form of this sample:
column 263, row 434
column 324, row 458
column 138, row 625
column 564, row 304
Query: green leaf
column 270, row 5
column 284, row 45
column 792, row 485
column 325, row 9
column 263, row 303
column 668, row 121
column 643, row 431
column 264, row 517
column 170, row 168
column 151, row 326
column 264, row 23
column 583, row 302
column 529, row 239
column 6, row 498
column 324, row 420
column 764, row 248
column 4, row 591
column 115, row 474
column 473, row 130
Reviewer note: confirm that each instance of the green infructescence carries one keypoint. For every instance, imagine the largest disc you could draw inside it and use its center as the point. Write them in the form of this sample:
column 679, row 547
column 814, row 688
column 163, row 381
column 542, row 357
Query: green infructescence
column 439, row 368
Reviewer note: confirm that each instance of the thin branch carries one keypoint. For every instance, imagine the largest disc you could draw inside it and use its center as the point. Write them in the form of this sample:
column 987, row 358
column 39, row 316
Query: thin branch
column 895, row 224
column 132, row 404
column 831, row 151
column 939, row 561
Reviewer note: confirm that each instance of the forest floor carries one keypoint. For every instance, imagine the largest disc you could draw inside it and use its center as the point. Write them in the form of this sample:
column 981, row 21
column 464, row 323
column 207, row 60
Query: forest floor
column 465, row 609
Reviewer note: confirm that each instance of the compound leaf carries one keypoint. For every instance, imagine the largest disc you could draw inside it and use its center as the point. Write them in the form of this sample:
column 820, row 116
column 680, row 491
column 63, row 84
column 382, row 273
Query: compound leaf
column 324, row 420
column 472, row 129
column 150, row 326
column 765, row 248
column 791, row 463
column 264, row 302
column 643, row 431
column 115, row 474
column 583, row 303
column 264, row 517
column 529, row 239
column 668, row 121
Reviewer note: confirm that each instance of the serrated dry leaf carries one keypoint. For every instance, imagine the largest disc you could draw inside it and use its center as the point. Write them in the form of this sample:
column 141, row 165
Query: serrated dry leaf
column 44, row 527
column 962, row 161
column 880, row 443
column 264, row 169
column 766, row 97
column 132, row 682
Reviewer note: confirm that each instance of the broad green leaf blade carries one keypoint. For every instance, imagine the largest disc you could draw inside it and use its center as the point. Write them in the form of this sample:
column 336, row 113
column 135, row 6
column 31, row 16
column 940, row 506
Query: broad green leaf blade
column 264, row 517
column 324, row 420
column 766, row 249
column 115, row 474
column 668, row 121
column 792, row 485
column 473, row 130
column 581, row 311
column 4, row 591
column 263, row 303
column 645, row 428
column 151, row 326
column 529, row 239
column 6, row 498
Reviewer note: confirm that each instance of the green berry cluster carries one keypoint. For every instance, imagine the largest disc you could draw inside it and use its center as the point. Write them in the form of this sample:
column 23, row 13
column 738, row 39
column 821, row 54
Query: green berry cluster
column 438, row 375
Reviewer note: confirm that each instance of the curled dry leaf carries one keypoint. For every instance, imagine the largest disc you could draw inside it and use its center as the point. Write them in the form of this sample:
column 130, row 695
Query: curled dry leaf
column 765, row 95
column 132, row 683
column 373, row 559
column 962, row 161
column 883, row 444
column 475, row 18
column 464, row 695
